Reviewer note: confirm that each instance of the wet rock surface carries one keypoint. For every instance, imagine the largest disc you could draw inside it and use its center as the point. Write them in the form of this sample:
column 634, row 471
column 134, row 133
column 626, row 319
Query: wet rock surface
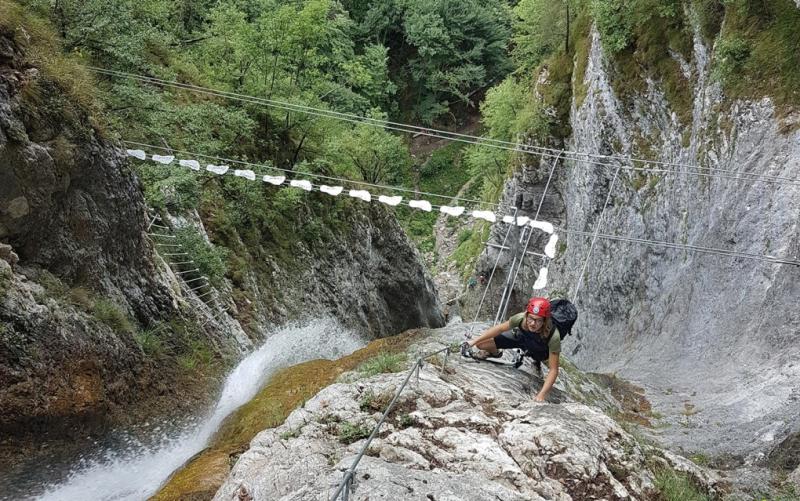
column 468, row 432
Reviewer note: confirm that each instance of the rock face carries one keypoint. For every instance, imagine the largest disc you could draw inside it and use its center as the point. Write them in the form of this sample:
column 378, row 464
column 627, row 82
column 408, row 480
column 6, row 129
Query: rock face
column 370, row 277
column 718, row 332
column 711, row 337
column 471, row 432
column 74, row 215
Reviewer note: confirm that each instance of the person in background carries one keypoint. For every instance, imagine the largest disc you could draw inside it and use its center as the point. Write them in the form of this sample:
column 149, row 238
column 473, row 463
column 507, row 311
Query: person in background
column 532, row 331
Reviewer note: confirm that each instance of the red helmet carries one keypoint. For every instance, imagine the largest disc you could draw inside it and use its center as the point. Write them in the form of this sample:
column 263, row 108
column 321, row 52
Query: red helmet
column 539, row 306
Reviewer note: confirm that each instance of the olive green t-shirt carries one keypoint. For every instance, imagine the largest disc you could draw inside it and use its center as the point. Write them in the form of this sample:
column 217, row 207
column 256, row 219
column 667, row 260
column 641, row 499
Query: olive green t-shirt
column 554, row 345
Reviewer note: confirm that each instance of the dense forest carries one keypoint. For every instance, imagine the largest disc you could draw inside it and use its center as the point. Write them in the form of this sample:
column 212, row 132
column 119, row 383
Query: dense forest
column 442, row 63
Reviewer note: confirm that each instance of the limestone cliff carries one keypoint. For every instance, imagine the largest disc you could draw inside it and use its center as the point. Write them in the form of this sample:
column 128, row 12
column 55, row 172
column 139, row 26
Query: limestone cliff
column 712, row 338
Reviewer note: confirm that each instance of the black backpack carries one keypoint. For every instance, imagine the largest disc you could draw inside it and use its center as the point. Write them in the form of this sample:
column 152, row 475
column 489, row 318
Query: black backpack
column 564, row 316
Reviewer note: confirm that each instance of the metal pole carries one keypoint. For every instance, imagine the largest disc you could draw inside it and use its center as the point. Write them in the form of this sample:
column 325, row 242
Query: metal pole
column 151, row 224
column 491, row 276
column 348, row 482
column 507, row 299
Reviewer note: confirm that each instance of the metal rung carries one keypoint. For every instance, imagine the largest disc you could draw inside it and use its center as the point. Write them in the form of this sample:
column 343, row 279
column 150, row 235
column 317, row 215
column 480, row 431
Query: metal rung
column 160, row 235
column 214, row 317
column 204, row 294
column 195, row 280
column 503, row 247
column 199, row 287
column 160, row 226
column 187, row 271
column 182, row 262
column 168, row 245
column 177, row 254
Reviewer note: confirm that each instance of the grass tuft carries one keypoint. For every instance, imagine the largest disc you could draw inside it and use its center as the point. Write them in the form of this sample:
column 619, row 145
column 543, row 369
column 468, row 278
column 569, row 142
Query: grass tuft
column 112, row 315
column 677, row 486
column 352, row 432
column 383, row 363
column 40, row 44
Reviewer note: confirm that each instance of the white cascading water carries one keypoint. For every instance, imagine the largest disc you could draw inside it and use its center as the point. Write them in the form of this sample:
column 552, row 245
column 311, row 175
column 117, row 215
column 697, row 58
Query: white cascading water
column 138, row 472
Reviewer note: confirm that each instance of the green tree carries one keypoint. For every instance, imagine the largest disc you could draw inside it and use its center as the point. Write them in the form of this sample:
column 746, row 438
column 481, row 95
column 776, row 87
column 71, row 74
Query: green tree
column 371, row 153
column 509, row 113
column 540, row 28
column 445, row 50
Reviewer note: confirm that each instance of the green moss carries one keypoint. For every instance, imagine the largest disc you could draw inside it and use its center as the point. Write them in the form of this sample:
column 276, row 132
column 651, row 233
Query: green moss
column 759, row 52
column 648, row 56
column 284, row 392
column 469, row 248
column 582, row 43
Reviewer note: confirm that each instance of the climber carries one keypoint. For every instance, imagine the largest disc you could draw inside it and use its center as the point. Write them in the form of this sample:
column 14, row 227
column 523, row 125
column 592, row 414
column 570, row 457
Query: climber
column 533, row 332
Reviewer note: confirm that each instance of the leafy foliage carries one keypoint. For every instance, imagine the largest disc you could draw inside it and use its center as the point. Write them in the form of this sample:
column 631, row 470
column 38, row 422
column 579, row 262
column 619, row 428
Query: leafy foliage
column 540, row 28
column 210, row 260
column 732, row 53
column 371, row 154
column 618, row 20
column 444, row 49
column 510, row 113
column 615, row 22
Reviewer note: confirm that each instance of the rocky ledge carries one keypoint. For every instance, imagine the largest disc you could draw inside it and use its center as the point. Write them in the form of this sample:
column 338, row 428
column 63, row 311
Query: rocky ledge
column 470, row 431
